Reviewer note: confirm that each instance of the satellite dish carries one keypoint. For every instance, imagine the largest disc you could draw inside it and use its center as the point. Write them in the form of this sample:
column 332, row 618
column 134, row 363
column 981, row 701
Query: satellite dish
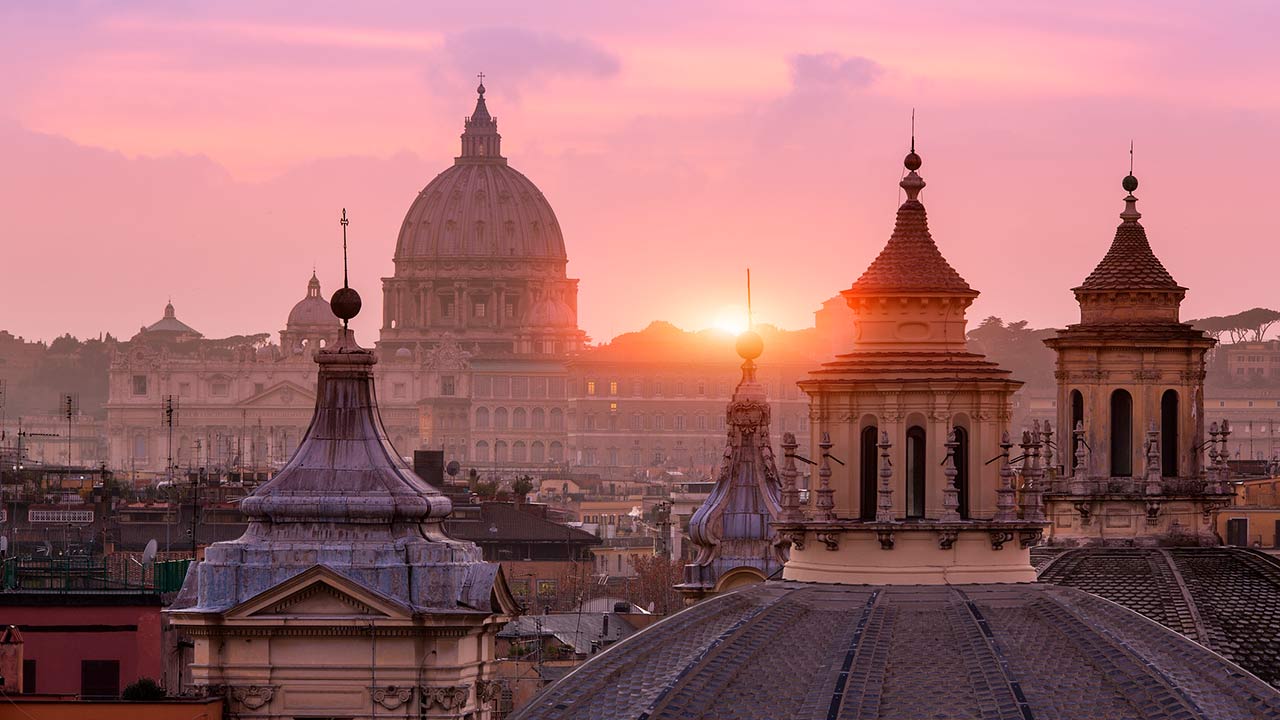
column 48, row 548
column 149, row 555
column 452, row 468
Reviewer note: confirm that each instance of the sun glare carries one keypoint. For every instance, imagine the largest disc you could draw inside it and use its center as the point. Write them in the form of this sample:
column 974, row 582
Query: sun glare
column 730, row 320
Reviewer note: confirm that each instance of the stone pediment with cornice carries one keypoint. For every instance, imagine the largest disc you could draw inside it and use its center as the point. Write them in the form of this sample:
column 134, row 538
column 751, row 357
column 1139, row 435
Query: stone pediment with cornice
column 282, row 394
column 318, row 593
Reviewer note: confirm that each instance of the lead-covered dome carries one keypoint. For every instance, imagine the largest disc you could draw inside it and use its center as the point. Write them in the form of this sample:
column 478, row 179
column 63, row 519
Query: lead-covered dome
column 481, row 207
column 782, row 650
column 313, row 309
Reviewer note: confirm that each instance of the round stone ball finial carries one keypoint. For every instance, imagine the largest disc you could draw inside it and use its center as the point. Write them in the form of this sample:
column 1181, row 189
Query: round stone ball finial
column 912, row 162
column 1130, row 183
column 749, row 345
column 345, row 303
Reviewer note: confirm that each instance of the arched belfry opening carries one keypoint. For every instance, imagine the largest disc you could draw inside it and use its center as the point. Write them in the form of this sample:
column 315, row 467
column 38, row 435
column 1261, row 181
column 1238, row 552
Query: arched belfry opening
column 962, row 469
column 1121, row 434
column 916, row 471
column 868, row 473
column 1169, row 433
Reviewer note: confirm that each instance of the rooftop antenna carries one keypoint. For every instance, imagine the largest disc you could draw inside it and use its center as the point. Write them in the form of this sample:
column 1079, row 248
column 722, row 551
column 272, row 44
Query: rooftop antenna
column 1130, row 157
column 913, row 130
column 750, row 319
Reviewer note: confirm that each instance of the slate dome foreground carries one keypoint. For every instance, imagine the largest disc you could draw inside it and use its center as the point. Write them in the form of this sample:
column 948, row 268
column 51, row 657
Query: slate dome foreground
column 784, row 650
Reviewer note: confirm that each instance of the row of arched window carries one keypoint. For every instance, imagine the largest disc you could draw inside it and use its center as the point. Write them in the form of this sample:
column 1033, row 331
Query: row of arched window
column 518, row 451
column 1121, row 441
column 915, row 473
column 519, row 418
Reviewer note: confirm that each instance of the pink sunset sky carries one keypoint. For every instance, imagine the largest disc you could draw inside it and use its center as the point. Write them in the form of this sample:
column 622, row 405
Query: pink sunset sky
column 203, row 151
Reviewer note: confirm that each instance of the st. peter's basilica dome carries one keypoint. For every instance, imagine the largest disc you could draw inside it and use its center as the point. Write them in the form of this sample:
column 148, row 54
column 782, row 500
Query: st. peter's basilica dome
column 480, row 207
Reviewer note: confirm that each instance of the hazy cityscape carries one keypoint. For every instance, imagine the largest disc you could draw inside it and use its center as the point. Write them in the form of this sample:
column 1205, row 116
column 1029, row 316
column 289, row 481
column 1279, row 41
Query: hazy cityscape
column 689, row 421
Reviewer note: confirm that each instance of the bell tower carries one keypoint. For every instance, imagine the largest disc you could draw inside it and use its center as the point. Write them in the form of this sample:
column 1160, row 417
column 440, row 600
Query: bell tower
column 1131, row 406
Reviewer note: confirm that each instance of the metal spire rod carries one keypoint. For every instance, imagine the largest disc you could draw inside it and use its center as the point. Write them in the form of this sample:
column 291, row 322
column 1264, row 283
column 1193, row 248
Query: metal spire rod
column 344, row 222
column 750, row 320
column 913, row 129
column 1131, row 157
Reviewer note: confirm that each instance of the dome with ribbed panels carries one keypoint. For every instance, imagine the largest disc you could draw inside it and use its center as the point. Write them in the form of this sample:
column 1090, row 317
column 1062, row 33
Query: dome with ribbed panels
column 313, row 310
column 481, row 207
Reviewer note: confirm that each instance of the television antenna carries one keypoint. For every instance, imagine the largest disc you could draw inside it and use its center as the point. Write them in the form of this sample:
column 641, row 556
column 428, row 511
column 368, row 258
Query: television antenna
column 70, row 407
column 169, row 414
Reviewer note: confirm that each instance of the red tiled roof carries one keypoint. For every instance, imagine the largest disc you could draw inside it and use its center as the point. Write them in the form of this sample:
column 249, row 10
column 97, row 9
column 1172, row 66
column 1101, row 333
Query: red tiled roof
column 1130, row 264
column 911, row 260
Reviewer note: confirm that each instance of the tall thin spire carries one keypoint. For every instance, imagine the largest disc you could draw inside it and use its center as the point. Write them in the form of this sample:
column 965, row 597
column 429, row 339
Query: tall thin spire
column 345, row 303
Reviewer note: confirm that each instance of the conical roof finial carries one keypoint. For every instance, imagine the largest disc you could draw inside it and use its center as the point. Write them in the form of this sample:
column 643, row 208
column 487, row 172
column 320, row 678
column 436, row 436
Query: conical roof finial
column 1130, row 183
column 912, row 183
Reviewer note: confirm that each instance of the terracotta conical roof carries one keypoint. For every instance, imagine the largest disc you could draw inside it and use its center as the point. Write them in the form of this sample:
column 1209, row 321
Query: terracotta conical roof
column 910, row 260
column 1130, row 264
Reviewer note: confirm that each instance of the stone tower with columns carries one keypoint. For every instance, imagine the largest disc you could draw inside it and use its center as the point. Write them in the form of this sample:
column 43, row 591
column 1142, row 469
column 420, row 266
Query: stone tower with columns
column 1131, row 407
column 904, row 428
column 733, row 530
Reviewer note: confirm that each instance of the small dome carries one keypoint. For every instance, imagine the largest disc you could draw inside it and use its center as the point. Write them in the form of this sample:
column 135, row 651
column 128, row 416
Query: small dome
column 312, row 309
column 550, row 312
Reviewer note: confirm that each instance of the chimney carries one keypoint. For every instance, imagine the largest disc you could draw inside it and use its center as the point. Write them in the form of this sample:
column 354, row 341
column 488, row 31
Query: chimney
column 10, row 660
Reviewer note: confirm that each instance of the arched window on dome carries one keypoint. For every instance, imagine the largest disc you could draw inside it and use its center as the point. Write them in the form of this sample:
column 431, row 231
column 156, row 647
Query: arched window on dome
column 500, row 452
column 869, row 481
column 500, row 419
column 916, row 471
column 482, row 418
column 518, row 452
column 1169, row 433
column 1121, row 434
column 519, row 419
column 537, row 418
column 482, row 451
column 537, row 452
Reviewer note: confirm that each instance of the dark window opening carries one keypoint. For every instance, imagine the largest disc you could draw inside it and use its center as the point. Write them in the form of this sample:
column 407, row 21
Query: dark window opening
column 1121, row 434
column 99, row 679
column 962, row 469
column 1169, row 434
column 28, row 676
column 915, row 472
column 869, row 480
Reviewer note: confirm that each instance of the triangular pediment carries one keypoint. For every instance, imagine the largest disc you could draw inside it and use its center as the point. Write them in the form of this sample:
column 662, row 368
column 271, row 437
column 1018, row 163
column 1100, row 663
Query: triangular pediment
column 319, row 593
column 282, row 394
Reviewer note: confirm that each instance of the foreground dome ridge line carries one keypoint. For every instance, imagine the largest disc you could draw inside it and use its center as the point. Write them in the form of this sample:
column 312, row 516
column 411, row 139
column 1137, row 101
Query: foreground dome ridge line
column 908, row 590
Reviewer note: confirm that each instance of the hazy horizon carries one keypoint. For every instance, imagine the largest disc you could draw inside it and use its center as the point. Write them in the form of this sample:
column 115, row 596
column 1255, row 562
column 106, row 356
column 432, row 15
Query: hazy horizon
column 203, row 153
